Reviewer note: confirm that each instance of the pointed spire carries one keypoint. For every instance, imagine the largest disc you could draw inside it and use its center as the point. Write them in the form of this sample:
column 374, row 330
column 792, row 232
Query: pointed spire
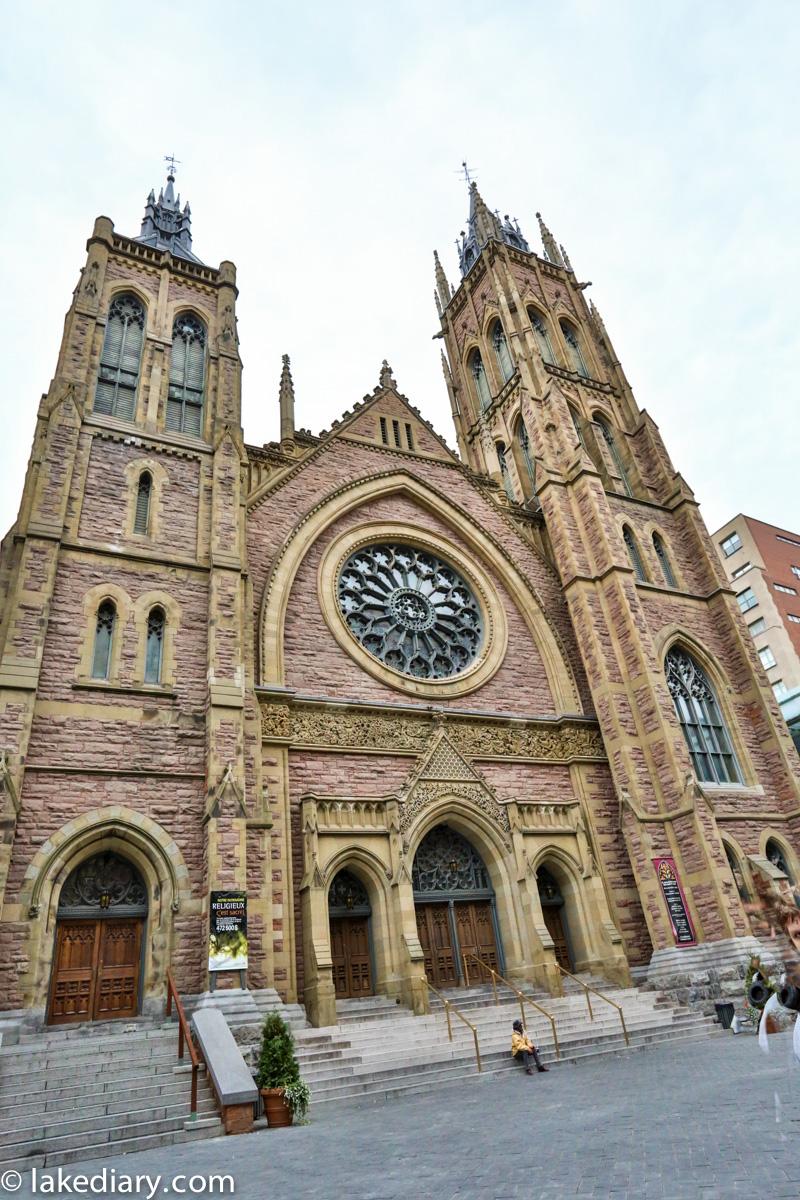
column 551, row 250
column 286, row 401
column 483, row 225
column 164, row 226
column 565, row 257
column 442, row 286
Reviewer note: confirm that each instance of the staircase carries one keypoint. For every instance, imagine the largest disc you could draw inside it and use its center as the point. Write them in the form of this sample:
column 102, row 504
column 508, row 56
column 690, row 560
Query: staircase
column 379, row 1050
column 88, row 1091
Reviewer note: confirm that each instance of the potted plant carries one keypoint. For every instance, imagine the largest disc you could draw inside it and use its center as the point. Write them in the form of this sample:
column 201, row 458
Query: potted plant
column 284, row 1093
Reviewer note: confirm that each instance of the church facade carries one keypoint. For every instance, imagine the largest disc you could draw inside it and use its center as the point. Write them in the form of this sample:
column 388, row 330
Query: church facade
column 429, row 712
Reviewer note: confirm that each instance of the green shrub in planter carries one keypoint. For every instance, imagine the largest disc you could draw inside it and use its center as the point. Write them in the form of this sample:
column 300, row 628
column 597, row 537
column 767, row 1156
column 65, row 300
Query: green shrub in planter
column 278, row 1069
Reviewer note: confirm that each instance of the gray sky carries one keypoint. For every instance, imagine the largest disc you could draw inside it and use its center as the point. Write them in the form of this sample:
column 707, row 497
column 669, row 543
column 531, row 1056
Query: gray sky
column 320, row 144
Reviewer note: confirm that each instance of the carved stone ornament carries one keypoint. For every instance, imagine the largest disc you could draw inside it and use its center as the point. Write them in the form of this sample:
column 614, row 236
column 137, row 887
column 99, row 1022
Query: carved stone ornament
column 358, row 730
column 475, row 794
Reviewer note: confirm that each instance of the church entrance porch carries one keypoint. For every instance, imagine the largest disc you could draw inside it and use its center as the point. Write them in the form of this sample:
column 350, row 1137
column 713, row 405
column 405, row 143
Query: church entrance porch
column 455, row 907
column 97, row 966
column 552, row 902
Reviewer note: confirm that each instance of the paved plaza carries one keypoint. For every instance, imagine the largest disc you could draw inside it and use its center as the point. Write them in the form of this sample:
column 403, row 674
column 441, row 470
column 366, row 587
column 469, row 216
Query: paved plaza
column 714, row 1119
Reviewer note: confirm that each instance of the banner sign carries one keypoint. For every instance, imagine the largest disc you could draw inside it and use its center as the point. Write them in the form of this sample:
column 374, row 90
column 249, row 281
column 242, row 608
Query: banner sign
column 227, row 941
column 682, row 928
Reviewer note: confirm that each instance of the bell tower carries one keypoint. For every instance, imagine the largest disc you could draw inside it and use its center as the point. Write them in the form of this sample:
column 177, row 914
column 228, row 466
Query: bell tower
column 542, row 405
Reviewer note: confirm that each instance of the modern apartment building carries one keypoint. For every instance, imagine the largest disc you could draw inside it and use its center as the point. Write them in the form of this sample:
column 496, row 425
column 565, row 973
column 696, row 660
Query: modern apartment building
column 763, row 564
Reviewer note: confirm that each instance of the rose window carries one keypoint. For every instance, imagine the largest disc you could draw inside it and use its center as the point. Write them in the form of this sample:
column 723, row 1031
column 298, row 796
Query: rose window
column 410, row 610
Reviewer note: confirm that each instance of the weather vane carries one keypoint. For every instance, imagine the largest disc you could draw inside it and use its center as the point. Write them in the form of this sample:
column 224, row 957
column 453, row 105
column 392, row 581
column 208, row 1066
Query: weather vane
column 172, row 160
column 465, row 171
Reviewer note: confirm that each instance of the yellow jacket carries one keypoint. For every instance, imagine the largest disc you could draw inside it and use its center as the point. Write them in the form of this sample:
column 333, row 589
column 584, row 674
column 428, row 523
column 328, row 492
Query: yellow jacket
column 520, row 1042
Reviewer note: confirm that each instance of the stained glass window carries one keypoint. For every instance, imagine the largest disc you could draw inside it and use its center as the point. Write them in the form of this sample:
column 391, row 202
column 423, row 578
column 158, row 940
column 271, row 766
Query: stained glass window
column 542, row 337
column 155, row 645
column 103, row 639
column 481, row 382
column 701, row 720
column 410, row 610
column 502, row 352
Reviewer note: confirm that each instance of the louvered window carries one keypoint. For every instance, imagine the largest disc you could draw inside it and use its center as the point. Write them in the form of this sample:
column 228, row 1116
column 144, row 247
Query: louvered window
column 663, row 558
column 610, row 441
column 118, row 377
column 502, row 352
column 481, row 382
column 701, row 720
column 187, row 376
column 141, row 522
column 542, row 337
column 633, row 554
column 103, row 639
column 155, row 645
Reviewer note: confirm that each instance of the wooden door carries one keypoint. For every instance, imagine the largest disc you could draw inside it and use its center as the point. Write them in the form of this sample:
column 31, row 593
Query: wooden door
column 555, row 927
column 433, row 929
column 352, row 973
column 117, row 988
column 475, row 930
column 96, row 970
column 72, row 995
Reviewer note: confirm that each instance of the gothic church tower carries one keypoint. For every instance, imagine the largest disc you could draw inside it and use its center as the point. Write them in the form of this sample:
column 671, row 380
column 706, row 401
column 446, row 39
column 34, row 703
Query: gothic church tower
column 127, row 560
column 695, row 741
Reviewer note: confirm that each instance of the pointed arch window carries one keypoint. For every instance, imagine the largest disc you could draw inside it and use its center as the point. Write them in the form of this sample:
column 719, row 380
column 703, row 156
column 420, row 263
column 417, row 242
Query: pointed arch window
column 542, row 337
column 120, row 358
column 613, row 449
column 634, row 554
column 141, row 520
column 481, row 382
column 525, row 449
column 154, row 650
column 736, row 871
column 701, row 720
column 574, row 352
column 663, row 558
column 506, row 477
column 187, row 375
column 502, row 352
column 103, row 639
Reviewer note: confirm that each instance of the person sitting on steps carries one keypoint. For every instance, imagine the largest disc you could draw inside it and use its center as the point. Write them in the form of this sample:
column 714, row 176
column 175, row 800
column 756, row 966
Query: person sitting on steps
column 523, row 1048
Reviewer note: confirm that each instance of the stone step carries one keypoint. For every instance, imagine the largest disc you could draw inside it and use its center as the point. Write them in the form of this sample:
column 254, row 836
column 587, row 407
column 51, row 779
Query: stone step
column 190, row 1131
column 110, row 1134
column 115, row 1092
column 105, row 1116
column 88, row 1072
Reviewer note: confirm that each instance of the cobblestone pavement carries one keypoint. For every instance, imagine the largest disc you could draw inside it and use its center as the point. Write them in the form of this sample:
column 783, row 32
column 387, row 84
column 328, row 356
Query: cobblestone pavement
column 700, row 1121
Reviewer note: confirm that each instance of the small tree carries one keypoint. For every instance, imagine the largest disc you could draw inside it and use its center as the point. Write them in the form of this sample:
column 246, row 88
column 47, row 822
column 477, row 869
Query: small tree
column 277, row 1065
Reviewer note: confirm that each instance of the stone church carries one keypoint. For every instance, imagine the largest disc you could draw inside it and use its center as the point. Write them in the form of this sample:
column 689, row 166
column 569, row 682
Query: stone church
column 430, row 711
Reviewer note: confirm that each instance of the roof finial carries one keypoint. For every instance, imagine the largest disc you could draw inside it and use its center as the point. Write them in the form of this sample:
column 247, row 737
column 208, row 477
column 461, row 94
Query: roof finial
column 172, row 162
column 551, row 249
column 469, row 177
column 386, row 379
column 443, row 288
column 286, row 400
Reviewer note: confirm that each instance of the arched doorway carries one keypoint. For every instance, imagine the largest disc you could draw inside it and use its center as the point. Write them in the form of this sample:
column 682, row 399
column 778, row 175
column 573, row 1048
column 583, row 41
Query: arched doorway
column 455, row 907
column 97, row 965
column 552, row 902
column 349, row 913
column 737, row 872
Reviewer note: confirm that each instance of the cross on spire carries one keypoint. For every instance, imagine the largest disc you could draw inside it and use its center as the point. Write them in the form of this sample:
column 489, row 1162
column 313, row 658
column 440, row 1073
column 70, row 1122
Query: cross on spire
column 172, row 162
column 469, row 176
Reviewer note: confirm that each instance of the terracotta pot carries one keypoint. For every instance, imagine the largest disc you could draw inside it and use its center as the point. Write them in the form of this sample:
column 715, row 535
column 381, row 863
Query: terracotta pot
column 276, row 1110
column 772, row 1025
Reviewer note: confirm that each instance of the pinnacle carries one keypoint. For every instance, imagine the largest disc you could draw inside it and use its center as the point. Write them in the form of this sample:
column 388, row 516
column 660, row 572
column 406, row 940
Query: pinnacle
column 385, row 378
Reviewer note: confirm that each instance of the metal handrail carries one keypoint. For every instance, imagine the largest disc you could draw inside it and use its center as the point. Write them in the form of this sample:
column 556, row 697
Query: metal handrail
column 184, row 1036
column 521, row 997
column 594, row 991
column 447, row 1006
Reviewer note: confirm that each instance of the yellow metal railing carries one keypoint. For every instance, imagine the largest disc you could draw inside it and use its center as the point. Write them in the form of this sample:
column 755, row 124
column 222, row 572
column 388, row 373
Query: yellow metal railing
column 594, row 991
column 521, row 997
column 448, row 1005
